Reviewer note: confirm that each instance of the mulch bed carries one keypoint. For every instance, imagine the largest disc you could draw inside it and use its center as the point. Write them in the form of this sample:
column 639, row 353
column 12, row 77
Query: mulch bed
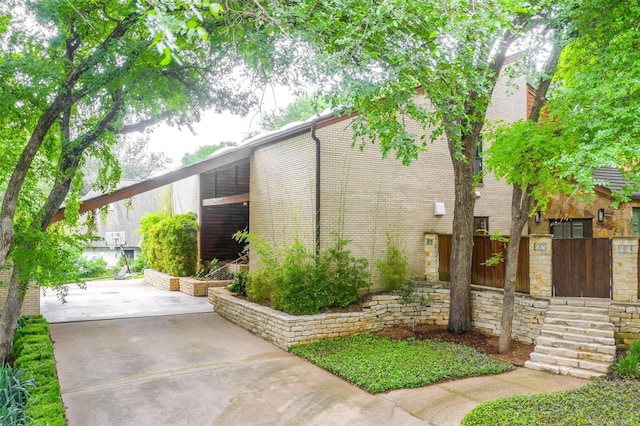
column 485, row 343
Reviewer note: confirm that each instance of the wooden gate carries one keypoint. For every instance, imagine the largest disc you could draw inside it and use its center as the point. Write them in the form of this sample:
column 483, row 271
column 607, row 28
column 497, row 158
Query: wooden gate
column 582, row 267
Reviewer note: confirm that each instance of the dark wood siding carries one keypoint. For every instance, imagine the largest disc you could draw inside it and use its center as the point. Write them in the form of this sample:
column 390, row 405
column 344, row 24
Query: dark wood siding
column 220, row 222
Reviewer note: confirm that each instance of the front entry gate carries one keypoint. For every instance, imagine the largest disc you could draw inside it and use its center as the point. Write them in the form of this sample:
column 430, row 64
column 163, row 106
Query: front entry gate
column 582, row 267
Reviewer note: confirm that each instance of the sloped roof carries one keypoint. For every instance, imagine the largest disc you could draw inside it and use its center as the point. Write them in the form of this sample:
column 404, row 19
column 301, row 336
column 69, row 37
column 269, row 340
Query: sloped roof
column 218, row 159
column 614, row 180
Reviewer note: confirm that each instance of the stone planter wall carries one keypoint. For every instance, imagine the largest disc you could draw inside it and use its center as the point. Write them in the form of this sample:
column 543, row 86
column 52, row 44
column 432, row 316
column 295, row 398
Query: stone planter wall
column 198, row 288
column 381, row 311
column 161, row 280
column 285, row 330
column 626, row 320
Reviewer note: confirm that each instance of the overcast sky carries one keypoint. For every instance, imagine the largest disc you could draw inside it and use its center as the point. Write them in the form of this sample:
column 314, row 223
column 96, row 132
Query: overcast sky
column 214, row 128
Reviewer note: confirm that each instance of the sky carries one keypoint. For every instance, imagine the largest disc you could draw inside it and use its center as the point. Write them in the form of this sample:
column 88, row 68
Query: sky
column 214, row 128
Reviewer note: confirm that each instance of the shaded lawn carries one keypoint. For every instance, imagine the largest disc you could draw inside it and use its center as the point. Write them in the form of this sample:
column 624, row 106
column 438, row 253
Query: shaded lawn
column 601, row 402
column 378, row 364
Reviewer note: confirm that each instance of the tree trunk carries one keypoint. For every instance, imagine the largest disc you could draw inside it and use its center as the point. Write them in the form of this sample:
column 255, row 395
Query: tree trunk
column 461, row 247
column 10, row 315
column 521, row 204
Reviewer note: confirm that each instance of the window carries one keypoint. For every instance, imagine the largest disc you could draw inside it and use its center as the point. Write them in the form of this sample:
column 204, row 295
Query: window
column 635, row 221
column 481, row 225
column 128, row 253
column 477, row 164
column 571, row 228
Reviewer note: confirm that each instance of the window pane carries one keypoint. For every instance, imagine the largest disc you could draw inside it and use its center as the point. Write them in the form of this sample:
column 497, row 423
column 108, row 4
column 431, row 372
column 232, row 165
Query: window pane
column 635, row 221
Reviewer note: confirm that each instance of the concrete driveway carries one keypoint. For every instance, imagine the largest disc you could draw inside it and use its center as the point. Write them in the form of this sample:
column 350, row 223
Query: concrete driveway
column 110, row 299
column 199, row 369
column 166, row 359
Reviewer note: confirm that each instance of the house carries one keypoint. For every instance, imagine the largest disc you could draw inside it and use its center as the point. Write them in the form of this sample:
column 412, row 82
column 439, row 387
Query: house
column 119, row 224
column 568, row 217
column 305, row 182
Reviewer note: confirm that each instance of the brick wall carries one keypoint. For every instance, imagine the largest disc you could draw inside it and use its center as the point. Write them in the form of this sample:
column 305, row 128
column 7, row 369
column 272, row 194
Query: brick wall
column 161, row 280
column 31, row 303
column 364, row 197
column 379, row 311
column 282, row 191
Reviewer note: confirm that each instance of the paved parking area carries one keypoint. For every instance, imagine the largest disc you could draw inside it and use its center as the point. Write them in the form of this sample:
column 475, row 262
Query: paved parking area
column 199, row 369
column 110, row 299
column 130, row 354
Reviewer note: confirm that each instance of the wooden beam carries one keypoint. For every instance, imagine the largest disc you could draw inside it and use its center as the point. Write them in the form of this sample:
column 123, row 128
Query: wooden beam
column 232, row 158
column 231, row 199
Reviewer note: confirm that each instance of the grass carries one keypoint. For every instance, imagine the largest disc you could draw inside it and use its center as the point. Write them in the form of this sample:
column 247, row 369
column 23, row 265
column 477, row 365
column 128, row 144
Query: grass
column 601, row 402
column 378, row 364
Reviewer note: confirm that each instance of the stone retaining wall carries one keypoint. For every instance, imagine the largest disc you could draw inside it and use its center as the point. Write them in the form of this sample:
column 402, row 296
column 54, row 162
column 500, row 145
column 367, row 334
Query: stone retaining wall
column 161, row 280
column 198, row 288
column 379, row 311
column 31, row 303
column 626, row 320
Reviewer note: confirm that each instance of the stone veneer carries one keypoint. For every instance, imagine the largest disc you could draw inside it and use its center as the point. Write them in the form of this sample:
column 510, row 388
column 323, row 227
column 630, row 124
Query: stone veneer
column 161, row 280
column 379, row 311
column 31, row 303
column 199, row 288
column 626, row 320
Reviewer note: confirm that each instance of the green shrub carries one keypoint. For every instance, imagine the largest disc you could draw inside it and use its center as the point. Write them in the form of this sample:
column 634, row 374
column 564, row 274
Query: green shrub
column 138, row 264
column 629, row 364
column 239, row 284
column 298, row 281
column 14, row 395
column 91, row 268
column 34, row 354
column 169, row 243
column 393, row 269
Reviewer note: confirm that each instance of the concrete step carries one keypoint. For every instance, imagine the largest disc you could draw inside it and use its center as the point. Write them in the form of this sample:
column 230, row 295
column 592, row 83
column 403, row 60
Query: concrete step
column 583, row 309
column 575, row 354
column 580, row 323
column 565, row 371
column 581, row 338
column 585, row 316
column 562, row 330
column 580, row 302
column 578, row 346
column 559, row 361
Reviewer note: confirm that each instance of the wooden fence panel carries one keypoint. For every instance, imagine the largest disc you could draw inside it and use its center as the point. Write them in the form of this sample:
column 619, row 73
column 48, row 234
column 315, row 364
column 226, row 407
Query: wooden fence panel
column 483, row 249
column 444, row 257
column 582, row 267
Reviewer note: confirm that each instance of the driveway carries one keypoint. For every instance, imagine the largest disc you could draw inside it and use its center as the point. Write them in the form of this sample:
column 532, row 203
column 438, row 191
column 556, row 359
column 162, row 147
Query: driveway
column 111, row 299
column 199, row 369
column 164, row 358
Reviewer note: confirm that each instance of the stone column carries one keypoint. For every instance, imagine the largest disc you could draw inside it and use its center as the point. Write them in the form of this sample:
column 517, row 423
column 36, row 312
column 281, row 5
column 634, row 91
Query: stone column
column 624, row 268
column 540, row 267
column 431, row 260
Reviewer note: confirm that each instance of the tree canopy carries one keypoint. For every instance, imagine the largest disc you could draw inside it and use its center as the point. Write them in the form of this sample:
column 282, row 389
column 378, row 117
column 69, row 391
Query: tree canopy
column 203, row 152
column 74, row 78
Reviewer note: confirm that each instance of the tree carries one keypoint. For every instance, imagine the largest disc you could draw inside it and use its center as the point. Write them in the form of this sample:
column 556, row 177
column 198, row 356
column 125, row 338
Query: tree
column 299, row 110
column 378, row 53
column 592, row 110
column 203, row 152
column 70, row 89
